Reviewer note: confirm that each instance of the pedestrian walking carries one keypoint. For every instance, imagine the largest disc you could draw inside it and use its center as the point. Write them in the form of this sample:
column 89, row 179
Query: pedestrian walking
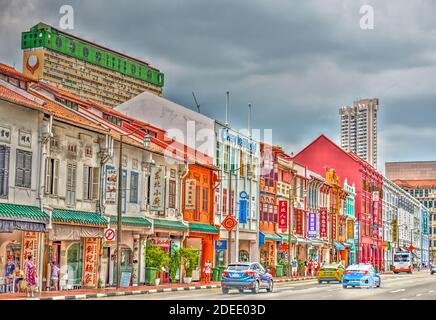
column 54, row 276
column 294, row 267
column 10, row 268
column 30, row 274
column 207, row 269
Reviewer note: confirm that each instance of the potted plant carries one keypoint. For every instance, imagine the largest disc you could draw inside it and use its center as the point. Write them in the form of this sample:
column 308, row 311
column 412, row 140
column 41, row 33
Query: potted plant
column 155, row 259
column 190, row 261
column 174, row 264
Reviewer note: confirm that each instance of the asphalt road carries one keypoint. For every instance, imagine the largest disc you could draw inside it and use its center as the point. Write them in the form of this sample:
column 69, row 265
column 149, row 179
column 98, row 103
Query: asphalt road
column 416, row 286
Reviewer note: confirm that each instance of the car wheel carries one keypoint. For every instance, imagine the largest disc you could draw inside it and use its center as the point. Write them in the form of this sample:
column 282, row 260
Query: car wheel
column 379, row 284
column 319, row 281
column 270, row 287
column 241, row 290
column 344, row 286
column 256, row 287
column 225, row 290
column 354, row 286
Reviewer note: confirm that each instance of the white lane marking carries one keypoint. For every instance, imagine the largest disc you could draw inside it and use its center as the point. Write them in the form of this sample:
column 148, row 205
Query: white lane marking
column 399, row 290
column 327, row 296
column 431, row 291
column 419, row 294
column 404, row 299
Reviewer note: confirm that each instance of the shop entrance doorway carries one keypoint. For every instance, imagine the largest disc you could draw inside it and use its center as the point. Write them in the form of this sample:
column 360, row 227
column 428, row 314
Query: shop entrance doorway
column 126, row 263
column 74, row 265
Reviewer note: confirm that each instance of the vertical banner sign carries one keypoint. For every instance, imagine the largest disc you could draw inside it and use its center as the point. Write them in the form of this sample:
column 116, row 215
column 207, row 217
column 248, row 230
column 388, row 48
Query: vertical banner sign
column 91, row 261
column 157, row 185
column 243, row 206
column 394, row 230
column 350, row 229
column 334, row 226
column 283, row 214
column 311, row 232
column 300, row 222
column 375, row 214
column 111, row 185
column 30, row 247
column 356, row 232
column 190, row 194
column 323, row 223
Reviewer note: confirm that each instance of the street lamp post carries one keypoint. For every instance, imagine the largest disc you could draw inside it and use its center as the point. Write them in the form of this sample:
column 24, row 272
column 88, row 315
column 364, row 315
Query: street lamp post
column 147, row 140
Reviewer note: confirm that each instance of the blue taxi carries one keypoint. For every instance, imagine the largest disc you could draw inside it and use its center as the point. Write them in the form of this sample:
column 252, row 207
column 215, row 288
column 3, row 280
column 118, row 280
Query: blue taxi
column 361, row 275
column 246, row 276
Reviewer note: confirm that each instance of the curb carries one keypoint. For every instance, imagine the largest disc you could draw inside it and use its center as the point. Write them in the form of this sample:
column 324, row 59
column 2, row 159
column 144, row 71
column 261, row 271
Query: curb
column 123, row 293
column 149, row 291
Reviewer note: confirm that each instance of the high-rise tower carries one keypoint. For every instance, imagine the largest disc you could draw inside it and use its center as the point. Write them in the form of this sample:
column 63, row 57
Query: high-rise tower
column 359, row 129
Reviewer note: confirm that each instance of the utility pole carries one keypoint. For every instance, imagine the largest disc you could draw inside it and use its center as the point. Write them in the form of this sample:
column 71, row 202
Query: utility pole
column 229, row 249
column 119, row 217
column 291, row 214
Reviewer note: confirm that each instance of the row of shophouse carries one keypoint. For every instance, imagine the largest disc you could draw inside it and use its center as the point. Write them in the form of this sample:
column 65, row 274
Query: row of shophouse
column 59, row 160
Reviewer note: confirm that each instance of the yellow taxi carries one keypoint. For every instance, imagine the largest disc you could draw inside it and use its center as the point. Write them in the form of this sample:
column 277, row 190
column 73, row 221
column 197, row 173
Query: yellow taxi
column 331, row 272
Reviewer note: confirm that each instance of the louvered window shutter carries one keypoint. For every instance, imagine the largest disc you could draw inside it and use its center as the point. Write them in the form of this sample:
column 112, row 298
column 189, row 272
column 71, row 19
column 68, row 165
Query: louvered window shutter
column 95, row 182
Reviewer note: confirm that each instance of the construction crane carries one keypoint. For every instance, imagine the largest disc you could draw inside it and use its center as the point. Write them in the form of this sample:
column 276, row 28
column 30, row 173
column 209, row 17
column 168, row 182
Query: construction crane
column 196, row 103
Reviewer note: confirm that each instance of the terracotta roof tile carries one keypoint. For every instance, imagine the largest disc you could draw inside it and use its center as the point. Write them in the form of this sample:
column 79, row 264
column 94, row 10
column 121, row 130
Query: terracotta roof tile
column 14, row 97
column 11, row 71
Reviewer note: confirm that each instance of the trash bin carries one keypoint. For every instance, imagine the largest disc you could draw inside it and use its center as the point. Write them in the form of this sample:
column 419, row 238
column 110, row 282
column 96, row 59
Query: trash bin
column 279, row 271
column 216, row 274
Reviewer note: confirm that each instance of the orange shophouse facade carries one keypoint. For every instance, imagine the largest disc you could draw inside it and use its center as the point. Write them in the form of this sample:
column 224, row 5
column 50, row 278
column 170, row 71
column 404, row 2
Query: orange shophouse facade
column 198, row 205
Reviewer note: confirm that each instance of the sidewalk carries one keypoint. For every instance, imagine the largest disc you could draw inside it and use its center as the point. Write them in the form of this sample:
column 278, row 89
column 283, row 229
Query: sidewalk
column 110, row 292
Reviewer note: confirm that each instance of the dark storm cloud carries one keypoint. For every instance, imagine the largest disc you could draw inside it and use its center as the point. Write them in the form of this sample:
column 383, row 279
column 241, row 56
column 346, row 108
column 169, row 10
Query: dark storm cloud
column 296, row 61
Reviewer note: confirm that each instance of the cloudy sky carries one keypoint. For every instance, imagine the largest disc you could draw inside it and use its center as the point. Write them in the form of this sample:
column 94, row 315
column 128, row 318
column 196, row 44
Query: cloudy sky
column 297, row 62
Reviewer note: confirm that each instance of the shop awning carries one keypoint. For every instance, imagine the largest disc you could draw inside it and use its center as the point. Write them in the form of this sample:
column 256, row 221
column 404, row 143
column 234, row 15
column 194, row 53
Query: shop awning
column 78, row 217
column 132, row 221
column 21, row 217
column 316, row 242
column 285, row 238
column 273, row 237
column 338, row 246
column 169, row 224
column 203, row 228
column 9, row 211
column 301, row 240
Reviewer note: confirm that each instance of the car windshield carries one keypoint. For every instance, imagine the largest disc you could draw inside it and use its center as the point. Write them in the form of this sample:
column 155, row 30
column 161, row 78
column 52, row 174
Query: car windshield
column 358, row 268
column 238, row 267
column 401, row 258
column 331, row 266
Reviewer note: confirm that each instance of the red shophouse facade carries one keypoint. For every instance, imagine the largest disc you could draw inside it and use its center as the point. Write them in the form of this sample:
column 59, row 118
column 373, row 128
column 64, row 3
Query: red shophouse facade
column 322, row 154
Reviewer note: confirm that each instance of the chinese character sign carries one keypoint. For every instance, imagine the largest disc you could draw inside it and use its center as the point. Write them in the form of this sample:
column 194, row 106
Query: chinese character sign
column 283, row 214
column 323, row 223
column 299, row 222
column 157, row 185
column 30, row 247
column 350, row 229
column 111, row 185
column 190, row 194
column 91, row 249
column 312, row 225
column 334, row 226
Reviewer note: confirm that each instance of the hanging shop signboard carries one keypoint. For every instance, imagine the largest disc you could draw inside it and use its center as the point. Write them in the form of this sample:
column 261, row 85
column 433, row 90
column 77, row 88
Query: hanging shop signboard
column 30, row 247
column 299, row 222
column 350, row 229
column 190, row 194
column 220, row 244
column 161, row 242
column 91, row 250
column 111, row 185
column 157, row 185
column 323, row 223
column 229, row 223
column 283, row 214
column 334, row 226
column 311, row 232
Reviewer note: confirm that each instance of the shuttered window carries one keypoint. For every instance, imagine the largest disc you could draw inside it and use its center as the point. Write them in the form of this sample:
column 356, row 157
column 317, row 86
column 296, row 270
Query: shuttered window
column 205, row 199
column 51, row 176
column 70, row 196
column 197, row 204
column 4, row 171
column 91, row 177
column 23, row 171
column 172, row 194
column 134, row 187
